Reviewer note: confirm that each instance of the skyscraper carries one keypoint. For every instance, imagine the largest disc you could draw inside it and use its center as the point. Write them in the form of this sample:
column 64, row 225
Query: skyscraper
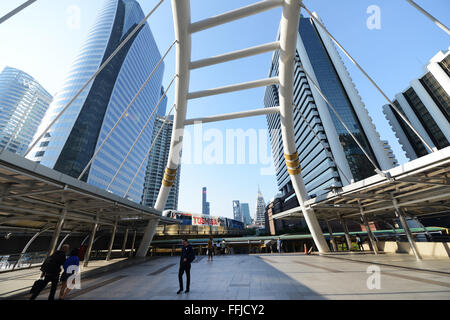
column 23, row 103
column 72, row 140
column 205, row 204
column 156, row 164
column 245, row 210
column 317, row 55
column 426, row 104
column 260, row 209
column 237, row 214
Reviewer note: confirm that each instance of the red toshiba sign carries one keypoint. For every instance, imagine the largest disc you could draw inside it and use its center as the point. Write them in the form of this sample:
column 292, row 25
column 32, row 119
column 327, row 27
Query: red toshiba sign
column 204, row 221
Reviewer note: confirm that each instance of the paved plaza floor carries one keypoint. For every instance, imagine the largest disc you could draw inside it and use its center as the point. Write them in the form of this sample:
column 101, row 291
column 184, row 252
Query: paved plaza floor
column 273, row 276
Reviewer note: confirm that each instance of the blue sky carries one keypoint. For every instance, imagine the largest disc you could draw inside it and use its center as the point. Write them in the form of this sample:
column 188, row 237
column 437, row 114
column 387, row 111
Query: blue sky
column 43, row 40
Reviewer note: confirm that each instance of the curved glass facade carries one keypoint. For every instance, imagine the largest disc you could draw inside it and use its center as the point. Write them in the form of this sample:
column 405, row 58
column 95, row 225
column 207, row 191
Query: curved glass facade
column 23, row 103
column 73, row 139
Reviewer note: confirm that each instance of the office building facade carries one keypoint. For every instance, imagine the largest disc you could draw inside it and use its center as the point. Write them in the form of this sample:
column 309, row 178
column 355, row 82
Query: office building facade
column 72, row 140
column 205, row 204
column 237, row 213
column 245, row 210
column 336, row 160
column 23, row 103
column 157, row 161
column 260, row 210
column 426, row 104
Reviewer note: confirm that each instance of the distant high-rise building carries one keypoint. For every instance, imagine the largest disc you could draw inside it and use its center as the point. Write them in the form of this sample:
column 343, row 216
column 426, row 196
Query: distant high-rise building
column 156, row 164
column 205, row 204
column 426, row 104
column 237, row 213
column 23, row 103
column 72, row 140
column 245, row 211
column 317, row 55
column 260, row 209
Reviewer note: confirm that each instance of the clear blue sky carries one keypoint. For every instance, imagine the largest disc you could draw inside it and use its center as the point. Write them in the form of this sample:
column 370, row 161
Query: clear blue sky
column 43, row 40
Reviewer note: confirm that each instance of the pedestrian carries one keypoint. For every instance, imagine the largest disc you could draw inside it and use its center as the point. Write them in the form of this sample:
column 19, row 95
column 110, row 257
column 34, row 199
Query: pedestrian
column 51, row 268
column 217, row 247
column 187, row 256
column 72, row 263
column 223, row 246
column 210, row 248
column 279, row 244
column 359, row 241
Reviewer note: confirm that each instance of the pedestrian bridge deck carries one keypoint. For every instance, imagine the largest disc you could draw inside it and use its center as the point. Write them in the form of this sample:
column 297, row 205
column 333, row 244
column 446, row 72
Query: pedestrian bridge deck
column 275, row 276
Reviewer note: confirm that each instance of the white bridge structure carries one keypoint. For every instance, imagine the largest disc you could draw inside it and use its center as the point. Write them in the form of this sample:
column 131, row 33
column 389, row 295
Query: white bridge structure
column 32, row 192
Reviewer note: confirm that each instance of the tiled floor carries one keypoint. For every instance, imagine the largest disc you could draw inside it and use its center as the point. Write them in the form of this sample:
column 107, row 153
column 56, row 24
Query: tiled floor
column 286, row 276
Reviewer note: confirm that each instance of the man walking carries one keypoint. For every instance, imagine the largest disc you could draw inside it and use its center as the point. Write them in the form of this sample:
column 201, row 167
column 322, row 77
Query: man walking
column 187, row 256
column 51, row 268
column 279, row 244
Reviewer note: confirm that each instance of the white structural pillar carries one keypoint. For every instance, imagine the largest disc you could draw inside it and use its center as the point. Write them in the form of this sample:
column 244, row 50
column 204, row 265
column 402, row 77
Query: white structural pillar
column 288, row 39
column 132, row 244
column 181, row 12
column 401, row 216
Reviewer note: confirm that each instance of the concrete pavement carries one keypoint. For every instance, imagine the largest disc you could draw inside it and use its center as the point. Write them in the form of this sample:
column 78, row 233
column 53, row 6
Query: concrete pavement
column 273, row 276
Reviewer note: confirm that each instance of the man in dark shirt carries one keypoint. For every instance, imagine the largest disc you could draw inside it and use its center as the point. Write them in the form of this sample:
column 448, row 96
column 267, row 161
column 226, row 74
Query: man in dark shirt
column 187, row 256
column 51, row 268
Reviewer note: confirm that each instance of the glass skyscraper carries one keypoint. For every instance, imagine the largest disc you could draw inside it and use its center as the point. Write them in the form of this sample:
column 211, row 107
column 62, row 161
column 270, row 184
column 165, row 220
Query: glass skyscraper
column 205, row 204
column 237, row 213
column 72, row 140
column 23, row 103
column 426, row 104
column 156, row 164
column 245, row 210
column 317, row 55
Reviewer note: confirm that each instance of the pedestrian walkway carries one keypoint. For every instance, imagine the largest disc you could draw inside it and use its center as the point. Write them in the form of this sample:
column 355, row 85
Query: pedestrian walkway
column 16, row 282
column 274, row 276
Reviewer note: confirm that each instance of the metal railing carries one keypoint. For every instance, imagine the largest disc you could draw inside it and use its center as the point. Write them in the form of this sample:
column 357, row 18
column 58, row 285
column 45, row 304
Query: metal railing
column 18, row 261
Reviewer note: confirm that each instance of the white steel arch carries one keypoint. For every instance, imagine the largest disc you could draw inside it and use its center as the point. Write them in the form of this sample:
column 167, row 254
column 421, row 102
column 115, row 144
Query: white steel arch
column 287, row 46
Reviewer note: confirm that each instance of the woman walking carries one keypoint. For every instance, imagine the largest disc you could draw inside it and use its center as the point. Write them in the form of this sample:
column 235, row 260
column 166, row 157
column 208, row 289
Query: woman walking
column 71, row 264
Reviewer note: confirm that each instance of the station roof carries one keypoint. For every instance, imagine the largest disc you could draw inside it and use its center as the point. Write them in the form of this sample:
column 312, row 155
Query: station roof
column 33, row 196
column 421, row 187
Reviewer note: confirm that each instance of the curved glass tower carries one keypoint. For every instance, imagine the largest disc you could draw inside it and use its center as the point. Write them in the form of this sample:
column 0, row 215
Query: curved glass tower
column 23, row 103
column 72, row 140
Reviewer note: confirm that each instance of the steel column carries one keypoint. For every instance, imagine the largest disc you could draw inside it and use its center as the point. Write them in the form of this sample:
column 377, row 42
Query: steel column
column 330, row 231
column 372, row 241
column 91, row 242
column 132, row 243
column 57, row 232
column 181, row 13
column 400, row 214
column 111, row 243
column 288, row 40
column 347, row 233
column 124, row 245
